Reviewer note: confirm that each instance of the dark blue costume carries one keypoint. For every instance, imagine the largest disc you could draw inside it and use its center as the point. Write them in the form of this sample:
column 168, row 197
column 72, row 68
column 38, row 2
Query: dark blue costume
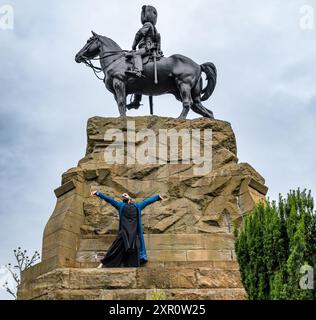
column 124, row 250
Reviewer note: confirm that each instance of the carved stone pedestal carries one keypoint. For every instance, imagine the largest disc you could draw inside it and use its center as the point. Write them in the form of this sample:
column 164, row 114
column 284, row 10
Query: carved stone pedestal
column 189, row 235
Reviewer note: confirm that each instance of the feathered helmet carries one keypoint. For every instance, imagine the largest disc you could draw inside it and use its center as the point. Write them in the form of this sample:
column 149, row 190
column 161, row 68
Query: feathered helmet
column 149, row 14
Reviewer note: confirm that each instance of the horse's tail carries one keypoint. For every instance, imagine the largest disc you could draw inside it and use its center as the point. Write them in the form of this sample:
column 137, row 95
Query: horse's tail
column 211, row 75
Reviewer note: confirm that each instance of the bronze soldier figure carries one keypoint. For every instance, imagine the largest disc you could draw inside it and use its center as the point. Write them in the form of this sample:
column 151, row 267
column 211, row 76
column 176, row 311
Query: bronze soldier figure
column 149, row 43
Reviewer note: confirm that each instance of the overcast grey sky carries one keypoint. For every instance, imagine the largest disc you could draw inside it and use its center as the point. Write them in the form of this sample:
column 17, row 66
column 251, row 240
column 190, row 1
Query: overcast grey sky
column 266, row 89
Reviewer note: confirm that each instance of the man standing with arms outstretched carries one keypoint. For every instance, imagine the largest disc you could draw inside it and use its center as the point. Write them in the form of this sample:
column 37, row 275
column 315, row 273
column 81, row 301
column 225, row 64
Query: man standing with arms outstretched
column 128, row 249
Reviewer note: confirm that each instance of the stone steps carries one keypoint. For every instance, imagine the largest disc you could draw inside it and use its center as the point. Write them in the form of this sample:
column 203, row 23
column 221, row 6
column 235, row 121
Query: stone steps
column 166, row 241
column 217, row 265
column 165, row 248
column 165, row 255
column 148, row 294
column 219, row 281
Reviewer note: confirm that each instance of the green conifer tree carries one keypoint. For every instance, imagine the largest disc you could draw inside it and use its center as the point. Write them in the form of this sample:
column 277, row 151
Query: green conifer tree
column 272, row 245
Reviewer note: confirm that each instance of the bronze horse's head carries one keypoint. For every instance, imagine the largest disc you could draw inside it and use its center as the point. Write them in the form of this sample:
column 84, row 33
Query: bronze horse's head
column 90, row 50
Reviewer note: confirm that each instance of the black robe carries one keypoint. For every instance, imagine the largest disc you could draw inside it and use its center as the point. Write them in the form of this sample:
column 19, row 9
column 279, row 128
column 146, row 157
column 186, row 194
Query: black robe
column 124, row 251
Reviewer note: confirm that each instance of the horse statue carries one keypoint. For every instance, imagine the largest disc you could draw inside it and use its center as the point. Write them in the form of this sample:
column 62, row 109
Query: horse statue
column 177, row 75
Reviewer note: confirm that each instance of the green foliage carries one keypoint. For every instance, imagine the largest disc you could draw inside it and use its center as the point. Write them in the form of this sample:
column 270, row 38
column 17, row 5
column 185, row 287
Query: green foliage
column 272, row 245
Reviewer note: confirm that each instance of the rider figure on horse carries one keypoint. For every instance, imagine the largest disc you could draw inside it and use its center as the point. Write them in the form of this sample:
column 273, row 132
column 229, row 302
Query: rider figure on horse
column 148, row 41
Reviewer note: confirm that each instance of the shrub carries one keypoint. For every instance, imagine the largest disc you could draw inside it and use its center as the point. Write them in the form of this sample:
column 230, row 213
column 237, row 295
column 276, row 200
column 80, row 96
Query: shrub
column 272, row 245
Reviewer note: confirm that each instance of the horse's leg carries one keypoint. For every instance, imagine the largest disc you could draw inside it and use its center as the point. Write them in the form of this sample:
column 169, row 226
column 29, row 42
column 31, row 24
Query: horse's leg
column 185, row 92
column 135, row 104
column 197, row 106
column 120, row 94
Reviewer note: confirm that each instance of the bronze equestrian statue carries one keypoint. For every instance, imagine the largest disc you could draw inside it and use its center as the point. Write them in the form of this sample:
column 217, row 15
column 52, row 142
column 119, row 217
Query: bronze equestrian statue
column 124, row 74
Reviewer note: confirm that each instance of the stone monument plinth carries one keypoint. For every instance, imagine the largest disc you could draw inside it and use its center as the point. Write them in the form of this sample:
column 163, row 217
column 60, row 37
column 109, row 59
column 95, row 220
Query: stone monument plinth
column 189, row 235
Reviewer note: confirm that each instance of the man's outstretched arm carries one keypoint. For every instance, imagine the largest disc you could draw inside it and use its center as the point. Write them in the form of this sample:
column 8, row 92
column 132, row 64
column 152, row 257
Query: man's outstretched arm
column 106, row 198
column 149, row 201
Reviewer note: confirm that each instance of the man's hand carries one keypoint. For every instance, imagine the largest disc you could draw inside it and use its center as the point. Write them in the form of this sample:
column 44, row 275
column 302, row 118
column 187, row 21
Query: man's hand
column 94, row 193
column 161, row 198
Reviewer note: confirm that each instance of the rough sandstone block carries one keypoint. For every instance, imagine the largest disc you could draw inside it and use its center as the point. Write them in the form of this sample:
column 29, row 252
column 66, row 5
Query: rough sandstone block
column 169, row 277
column 206, row 255
column 167, row 255
column 210, row 278
column 102, row 278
